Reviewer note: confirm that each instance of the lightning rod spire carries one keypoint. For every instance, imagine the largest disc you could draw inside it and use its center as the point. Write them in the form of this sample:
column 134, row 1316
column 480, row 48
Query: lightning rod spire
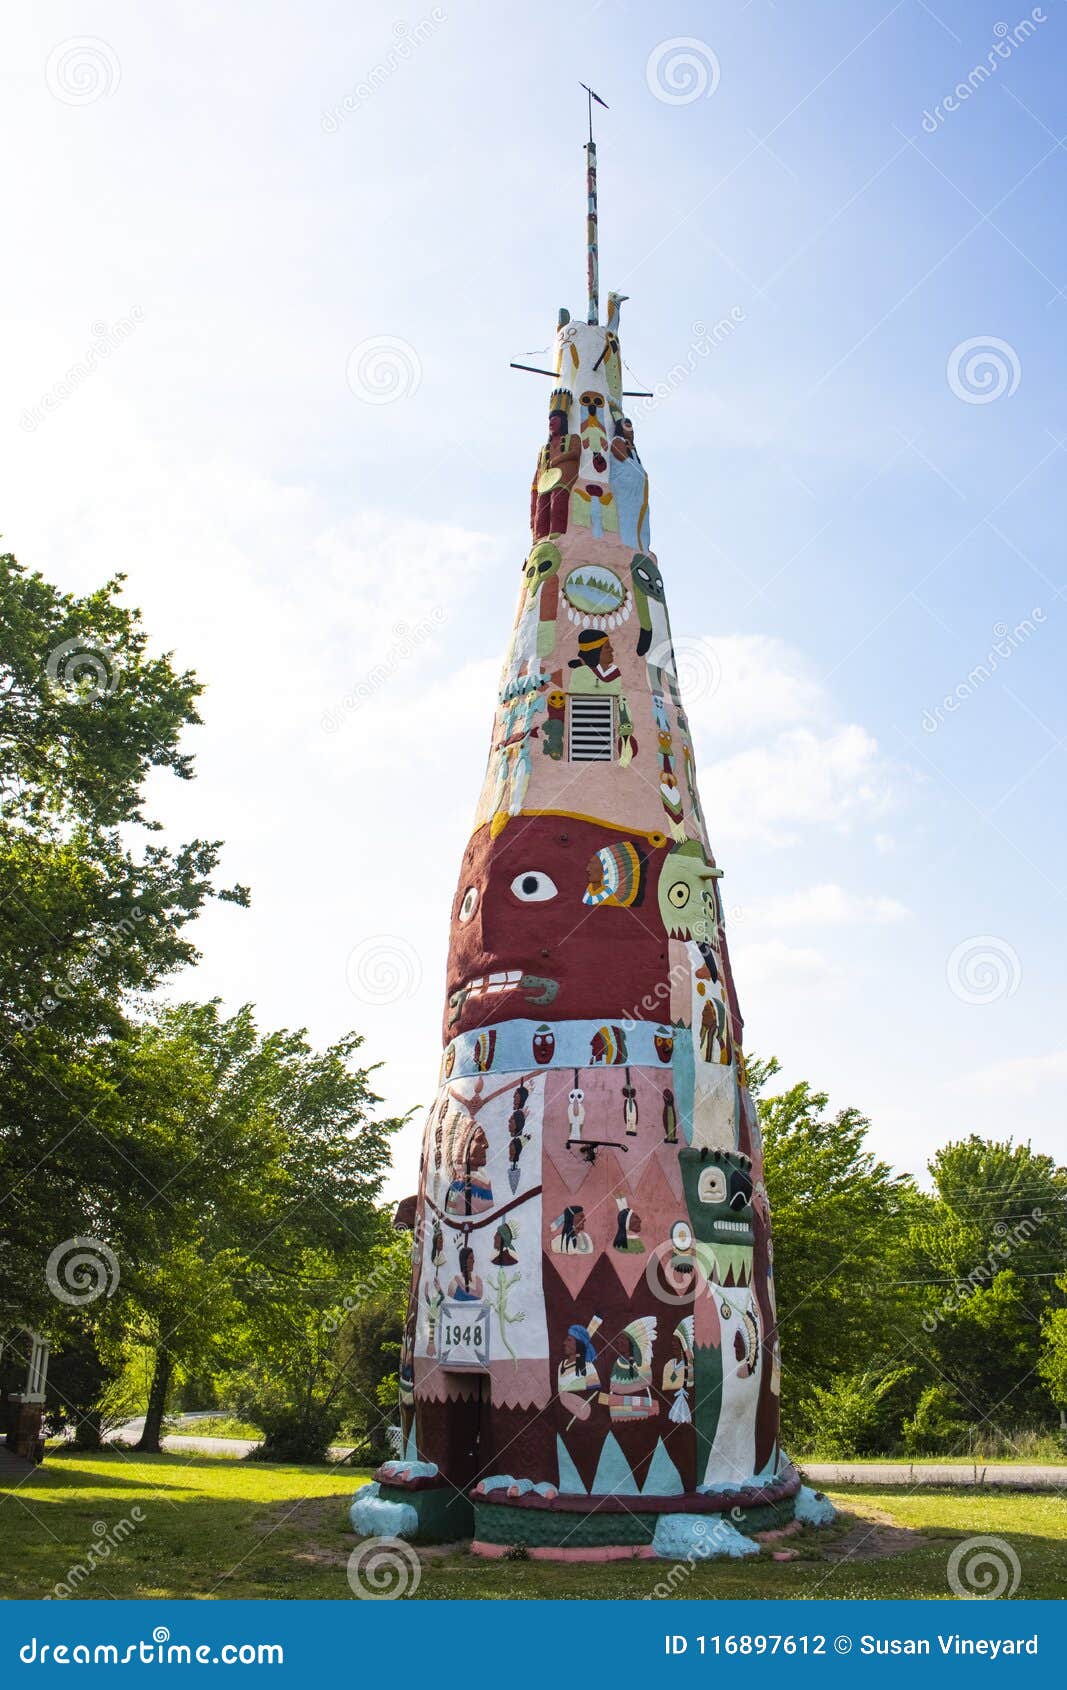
column 591, row 246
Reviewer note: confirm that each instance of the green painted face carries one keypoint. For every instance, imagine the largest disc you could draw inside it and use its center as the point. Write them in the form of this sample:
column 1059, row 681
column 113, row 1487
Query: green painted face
column 718, row 1198
column 646, row 576
column 542, row 563
column 687, row 894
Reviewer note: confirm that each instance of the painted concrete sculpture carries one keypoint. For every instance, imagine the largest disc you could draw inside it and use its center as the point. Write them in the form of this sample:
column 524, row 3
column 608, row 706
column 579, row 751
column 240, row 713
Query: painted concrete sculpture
column 591, row 1360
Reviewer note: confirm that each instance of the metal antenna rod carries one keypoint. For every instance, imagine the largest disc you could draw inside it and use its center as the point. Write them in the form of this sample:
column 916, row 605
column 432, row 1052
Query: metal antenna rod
column 591, row 246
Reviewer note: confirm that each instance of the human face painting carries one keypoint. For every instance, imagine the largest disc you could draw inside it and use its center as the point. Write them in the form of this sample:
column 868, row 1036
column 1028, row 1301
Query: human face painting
column 532, row 947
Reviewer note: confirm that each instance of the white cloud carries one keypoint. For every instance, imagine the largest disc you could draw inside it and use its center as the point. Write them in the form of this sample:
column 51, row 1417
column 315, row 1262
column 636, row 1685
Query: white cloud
column 798, row 779
column 825, row 906
column 1019, row 1076
column 773, row 964
column 738, row 687
column 792, row 765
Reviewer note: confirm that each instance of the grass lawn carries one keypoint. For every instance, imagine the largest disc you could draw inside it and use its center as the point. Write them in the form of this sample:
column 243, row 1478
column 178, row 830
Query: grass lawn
column 216, row 1527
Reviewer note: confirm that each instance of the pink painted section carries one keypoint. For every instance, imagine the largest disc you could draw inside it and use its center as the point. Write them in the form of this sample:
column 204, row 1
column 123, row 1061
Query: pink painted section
column 790, row 1530
column 520, row 1384
column 515, row 1384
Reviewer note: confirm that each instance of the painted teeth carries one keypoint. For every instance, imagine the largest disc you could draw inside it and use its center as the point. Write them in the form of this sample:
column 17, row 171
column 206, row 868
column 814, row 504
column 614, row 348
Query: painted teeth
column 732, row 1226
column 494, row 982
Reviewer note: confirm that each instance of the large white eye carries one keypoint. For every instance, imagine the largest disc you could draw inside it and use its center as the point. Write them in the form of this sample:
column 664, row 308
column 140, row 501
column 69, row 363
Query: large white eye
column 534, row 887
column 469, row 904
column 678, row 894
column 711, row 1186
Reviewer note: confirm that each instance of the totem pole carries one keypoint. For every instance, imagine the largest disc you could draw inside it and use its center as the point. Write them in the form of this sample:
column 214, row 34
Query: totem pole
column 590, row 1361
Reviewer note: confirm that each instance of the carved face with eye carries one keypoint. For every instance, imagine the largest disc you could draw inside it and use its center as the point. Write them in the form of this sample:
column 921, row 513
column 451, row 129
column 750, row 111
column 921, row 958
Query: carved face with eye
column 526, row 942
column 687, row 900
column 718, row 1193
column 542, row 563
column 647, row 576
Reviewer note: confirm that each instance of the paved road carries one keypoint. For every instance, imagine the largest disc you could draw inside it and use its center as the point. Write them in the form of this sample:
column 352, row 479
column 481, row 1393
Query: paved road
column 179, row 1443
column 903, row 1473
column 176, row 1444
column 1011, row 1476
column 820, row 1473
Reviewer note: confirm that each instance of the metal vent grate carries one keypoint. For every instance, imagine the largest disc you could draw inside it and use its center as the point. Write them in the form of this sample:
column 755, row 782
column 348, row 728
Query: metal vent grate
column 592, row 730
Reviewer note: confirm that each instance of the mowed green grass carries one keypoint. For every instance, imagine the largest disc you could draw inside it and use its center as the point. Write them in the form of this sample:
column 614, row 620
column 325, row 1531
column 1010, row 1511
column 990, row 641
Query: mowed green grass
column 216, row 1527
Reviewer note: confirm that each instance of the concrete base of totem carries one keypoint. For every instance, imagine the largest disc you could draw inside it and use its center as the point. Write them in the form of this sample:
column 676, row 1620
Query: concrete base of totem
column 609, row 1528
column 695, row 1527
column 420, row 1510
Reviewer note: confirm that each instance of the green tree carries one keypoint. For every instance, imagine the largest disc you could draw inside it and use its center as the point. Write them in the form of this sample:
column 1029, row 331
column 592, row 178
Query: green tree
column 369, row 1341
column 1053, row 1362
column 985, row 1254
column 837, row 1218
column 94, row 909
column 268, row 1162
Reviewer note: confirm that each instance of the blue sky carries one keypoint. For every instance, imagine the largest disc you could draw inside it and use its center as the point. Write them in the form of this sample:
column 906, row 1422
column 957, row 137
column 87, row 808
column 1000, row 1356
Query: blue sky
column 854, row 477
